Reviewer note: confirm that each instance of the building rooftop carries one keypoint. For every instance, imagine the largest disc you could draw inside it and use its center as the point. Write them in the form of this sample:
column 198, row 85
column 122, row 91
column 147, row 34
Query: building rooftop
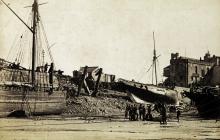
column 90, row 69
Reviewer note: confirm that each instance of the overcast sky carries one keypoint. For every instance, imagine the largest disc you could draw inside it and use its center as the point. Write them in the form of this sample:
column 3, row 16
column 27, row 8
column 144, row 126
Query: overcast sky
column 117, row 34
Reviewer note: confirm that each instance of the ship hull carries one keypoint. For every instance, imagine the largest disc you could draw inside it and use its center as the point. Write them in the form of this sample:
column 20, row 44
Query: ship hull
column 32, row 103
column 208, row 105
column 152, row 94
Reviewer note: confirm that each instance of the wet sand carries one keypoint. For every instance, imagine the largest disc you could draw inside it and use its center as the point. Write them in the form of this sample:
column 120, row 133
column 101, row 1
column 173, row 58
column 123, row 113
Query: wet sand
column 57, row 128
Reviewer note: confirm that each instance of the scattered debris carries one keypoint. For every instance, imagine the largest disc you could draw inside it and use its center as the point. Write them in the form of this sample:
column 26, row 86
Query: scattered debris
column 104, row 105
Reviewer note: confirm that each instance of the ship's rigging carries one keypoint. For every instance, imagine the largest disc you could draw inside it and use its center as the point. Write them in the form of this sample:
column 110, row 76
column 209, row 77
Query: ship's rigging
column 34, row 89
column 153, row 67
column 38, row 46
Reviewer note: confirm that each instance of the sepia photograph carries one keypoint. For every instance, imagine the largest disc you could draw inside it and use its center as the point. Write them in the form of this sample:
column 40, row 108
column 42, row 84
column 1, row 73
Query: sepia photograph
column 109, row 69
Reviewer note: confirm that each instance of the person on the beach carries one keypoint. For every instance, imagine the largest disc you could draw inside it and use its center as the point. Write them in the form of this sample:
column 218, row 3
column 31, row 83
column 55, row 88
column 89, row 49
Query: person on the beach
column 130, row 113
column 149, row 115
column 140, row 111
column 135, row 113
column 163, row 115
column 127, row 109
column 144, row 114
column 178, row 115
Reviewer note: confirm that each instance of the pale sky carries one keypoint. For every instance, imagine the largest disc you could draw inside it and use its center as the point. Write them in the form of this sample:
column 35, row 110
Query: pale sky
column 117, row 34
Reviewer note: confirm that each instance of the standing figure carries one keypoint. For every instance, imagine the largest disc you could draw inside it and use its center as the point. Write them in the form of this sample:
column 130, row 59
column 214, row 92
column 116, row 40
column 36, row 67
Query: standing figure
column 163, row 114
column 130, row 113
column 144, row 114
column 127, row 111
column 45, row 67
column 149, row 115
column 140, row 111
column 135, row 113
column 178, row 115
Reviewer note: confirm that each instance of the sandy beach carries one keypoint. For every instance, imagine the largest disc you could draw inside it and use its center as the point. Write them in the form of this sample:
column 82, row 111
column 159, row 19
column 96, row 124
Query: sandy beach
column 57, row 128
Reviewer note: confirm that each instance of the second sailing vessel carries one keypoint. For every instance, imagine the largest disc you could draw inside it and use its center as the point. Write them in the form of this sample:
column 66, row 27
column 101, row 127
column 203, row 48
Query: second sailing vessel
column 149, row 93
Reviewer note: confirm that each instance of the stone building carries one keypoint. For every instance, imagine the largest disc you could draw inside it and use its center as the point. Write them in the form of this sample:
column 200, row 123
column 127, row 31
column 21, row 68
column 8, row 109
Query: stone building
column 92, row 74
column 212, row 78
column 184, row 71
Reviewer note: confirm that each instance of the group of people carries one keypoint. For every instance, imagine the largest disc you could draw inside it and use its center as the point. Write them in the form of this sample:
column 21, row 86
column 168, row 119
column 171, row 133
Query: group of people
column 14, row 66
column 134, row 113
column 42, row 68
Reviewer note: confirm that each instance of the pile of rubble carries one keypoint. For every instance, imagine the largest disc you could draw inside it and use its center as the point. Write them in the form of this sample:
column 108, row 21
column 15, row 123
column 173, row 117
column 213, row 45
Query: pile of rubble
column 107, row 103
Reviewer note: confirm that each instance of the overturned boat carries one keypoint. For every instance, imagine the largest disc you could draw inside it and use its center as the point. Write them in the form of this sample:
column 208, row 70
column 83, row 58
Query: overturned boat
column 36, row 90
column 147, row 93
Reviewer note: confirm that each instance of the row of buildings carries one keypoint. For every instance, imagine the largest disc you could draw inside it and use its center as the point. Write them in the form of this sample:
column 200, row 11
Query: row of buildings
column 184, row 71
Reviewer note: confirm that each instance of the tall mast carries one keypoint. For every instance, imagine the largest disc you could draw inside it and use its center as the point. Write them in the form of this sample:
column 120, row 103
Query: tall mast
column 35, row 12
column 33, row 30
column 154, row 61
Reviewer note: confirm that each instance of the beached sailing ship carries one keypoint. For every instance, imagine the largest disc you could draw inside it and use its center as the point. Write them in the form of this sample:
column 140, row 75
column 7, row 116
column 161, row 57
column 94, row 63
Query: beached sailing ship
column 149, row 93
column 206, row 94
column 207, row 100
column 35, row 91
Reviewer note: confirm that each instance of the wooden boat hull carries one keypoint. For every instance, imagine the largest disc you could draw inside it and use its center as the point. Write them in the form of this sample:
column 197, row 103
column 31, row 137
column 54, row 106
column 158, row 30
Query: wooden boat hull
column 208, row 105
column 34, row 103
column 151, row 95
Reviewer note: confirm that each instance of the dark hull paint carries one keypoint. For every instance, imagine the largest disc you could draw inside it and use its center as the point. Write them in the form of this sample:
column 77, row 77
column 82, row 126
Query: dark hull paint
column 147, row 95
column 208, row 105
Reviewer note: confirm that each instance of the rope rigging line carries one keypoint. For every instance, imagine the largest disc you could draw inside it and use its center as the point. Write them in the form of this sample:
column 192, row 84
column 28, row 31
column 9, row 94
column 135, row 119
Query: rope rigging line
column 17, row 50
column 19, row 59
column 12, row 47
column 152, row 76
column 30, row 44
column 29, row 55
column 23, row 52
column 36, row 50
column 40, row 47
column 159, row 69
column 141, row 73
column 15, row 41
column 23, row 41
column 37, row 47
column 46, row 40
